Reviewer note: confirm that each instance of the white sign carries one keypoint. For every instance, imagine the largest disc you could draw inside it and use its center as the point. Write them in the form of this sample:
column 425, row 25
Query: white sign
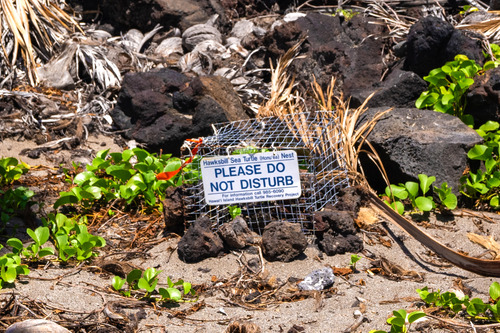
column 251, row 177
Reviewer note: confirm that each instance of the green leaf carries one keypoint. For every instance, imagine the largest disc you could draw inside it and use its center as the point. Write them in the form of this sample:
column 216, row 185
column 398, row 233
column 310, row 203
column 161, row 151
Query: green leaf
column 489, row 65
column 102, row 154
column 489, row 126
column 398, row 207
column 42, row 235
column 412, row 189
column 117, row 283
column 426, row 182
column 399, row 192
column 172, row 294
column 450, row 201
column 134, row 275
column 186, row 286
column 9, row 275
column 16, row 244
column 495, row 202
column 425, row 204
column 46, row 251
column 415, row 315
column 143, row 284
column 480, row 152
column 83, row 177
column 65, row 198
column 495, row 291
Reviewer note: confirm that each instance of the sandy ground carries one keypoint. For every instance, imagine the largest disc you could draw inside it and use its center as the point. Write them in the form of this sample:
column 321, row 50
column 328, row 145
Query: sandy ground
column 80, row 294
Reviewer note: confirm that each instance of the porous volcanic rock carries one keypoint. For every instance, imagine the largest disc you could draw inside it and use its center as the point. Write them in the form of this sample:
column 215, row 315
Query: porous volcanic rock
column 400, row 89
column 199, row 242
column 173, row 210
column 145, row 14
column 411, row 141
column 162, row 108
column 283, row 241
column 334, row 47
column 483, row 98
column 335, row 230
column 333, row 244
column 236, row 234
column 432, row 42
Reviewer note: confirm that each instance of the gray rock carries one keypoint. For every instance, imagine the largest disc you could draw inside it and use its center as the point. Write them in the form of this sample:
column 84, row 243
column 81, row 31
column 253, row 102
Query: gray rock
column 412, row 141
column 199, row 242
column 36, row 326
column 283, row 241
column 319, row 279
column 236, row 234
column 399, row 89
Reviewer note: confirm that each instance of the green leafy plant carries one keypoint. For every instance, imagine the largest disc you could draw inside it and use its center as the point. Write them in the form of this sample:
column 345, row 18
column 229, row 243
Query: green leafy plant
column 401, row 321
column 71, row 238
column 129, row 177
column 467, row 9
column 172, row 294
column 147, row 281
column 11, row 268
column 354, row 259
column 448, row 87
column 34, row 251
column 348, row 14
column 234, row 211
column 484, row 185
column 475, row 309
column 11, row 170
column 13, row 202
column 416, row 194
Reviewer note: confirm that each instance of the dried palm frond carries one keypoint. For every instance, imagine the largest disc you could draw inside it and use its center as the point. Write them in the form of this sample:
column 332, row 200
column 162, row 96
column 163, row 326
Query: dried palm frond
column 281, row 97
column 353, row 131
column 338, row 117
column 100, row 69
column 24, row 20
column 490, row 27
column 398, row 25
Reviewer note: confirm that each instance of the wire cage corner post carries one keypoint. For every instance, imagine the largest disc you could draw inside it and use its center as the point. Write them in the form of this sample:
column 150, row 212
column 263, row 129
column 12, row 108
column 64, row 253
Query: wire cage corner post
column 316, row 139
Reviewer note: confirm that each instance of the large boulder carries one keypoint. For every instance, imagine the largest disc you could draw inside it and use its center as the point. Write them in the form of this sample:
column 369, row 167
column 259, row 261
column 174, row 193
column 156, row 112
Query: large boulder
column 412, row 141
column 335, row 47
column 432, row 42
column 400, row 89
column 162, row 108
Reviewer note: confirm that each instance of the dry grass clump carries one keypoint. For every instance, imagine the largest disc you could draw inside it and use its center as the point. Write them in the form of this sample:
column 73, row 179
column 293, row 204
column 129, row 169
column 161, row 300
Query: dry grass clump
column 32, row 27
column 337, row 121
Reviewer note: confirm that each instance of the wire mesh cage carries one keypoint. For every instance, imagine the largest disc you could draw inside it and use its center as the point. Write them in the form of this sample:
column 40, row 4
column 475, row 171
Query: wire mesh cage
column 314, row 136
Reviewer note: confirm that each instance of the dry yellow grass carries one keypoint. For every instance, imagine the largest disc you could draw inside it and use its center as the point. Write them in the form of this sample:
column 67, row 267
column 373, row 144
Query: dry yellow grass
column 285, row 103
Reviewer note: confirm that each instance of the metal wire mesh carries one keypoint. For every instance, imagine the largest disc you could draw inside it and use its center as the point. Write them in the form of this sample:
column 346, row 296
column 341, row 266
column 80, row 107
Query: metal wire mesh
column 314, row 136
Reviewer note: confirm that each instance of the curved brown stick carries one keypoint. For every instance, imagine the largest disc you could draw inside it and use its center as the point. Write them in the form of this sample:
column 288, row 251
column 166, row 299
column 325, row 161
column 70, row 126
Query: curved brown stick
column 475, row 265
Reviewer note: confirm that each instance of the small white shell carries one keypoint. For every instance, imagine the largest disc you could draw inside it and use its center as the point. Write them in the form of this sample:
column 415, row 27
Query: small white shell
column 170, row 46
column 242, row 28
column 199, row 33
